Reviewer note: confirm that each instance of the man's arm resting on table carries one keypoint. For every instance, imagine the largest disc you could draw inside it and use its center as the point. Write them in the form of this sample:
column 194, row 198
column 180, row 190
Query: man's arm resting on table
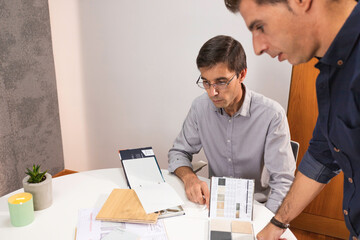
column 196, row 190
column 301, row 193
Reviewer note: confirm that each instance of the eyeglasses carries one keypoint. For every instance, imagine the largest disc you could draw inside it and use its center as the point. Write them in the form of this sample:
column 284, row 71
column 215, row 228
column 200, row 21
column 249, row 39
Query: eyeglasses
column 219, row 85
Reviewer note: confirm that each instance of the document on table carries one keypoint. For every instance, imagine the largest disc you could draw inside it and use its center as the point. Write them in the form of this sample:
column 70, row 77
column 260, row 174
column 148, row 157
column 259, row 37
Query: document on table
column 231, row 208
column 158, row 197
column 89, row 228
column 144, row 176
column 232, row 198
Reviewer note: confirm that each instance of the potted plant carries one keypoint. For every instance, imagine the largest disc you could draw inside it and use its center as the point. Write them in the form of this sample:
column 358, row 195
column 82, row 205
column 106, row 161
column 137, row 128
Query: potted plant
column 39, row 184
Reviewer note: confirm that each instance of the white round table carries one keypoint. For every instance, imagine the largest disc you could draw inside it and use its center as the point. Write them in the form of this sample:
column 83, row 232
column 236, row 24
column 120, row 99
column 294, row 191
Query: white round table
column 90, row 189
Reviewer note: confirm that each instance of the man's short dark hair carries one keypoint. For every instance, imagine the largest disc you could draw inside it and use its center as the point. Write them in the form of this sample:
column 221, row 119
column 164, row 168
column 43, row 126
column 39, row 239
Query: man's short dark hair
column 233, row 5
column 222, row 49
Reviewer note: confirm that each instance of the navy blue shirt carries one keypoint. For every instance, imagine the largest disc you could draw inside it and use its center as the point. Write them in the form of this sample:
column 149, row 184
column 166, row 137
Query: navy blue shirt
column 335, row 145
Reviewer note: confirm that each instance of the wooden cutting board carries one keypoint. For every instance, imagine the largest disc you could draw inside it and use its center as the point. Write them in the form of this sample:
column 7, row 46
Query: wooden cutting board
column 123, row 205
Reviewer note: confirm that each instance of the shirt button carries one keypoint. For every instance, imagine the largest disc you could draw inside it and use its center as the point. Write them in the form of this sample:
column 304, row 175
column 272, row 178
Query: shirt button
column 346, row 212
column 350, row 180
column 229, row 120
column 354, row 238
column 229, row 159
column 340, row 62
column 228, row 140
column 336, row 149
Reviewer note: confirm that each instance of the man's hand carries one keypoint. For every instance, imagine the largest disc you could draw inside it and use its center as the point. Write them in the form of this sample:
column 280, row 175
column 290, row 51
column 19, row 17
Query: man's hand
column 196, row 190
column 270, row 232
column 301, row 193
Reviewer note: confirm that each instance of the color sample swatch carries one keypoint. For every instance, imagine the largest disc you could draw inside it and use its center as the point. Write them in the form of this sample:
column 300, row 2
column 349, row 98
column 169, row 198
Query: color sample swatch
column 232, row 198
column 227, row 229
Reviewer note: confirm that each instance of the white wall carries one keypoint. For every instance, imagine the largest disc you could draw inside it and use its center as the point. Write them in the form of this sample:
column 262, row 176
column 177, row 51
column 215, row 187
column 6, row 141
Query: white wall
column 126, row 72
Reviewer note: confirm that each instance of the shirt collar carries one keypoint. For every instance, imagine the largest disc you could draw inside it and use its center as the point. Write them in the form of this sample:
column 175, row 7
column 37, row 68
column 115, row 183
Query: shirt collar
column 244, row 109
column 340, row 49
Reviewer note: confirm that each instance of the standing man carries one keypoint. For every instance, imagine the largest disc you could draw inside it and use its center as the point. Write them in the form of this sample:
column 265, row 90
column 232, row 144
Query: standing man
column 242, row 132
column 297, row 30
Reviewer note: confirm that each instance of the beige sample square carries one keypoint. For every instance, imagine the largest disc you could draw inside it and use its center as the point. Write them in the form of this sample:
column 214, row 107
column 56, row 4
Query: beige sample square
column 222, row 225
column 241, row 227
column 220, row 205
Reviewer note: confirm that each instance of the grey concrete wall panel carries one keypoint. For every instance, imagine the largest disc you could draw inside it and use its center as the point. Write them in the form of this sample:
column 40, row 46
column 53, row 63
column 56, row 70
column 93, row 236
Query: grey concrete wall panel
column 29, row 113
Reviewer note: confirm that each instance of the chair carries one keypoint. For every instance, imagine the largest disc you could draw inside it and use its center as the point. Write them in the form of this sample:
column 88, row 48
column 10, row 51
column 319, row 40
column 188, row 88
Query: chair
column 197, row 166
column 261, row 197
column 295, row 148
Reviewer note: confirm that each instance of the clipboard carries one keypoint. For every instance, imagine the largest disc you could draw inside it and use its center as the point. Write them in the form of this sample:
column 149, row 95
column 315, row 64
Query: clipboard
column 128, row 160
column 143, row 175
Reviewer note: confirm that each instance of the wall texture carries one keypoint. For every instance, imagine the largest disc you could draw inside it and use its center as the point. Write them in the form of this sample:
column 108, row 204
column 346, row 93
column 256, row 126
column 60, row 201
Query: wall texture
column 29, row 116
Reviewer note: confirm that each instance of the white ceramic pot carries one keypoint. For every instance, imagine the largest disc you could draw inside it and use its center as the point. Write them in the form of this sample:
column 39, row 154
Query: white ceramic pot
column 42, row 192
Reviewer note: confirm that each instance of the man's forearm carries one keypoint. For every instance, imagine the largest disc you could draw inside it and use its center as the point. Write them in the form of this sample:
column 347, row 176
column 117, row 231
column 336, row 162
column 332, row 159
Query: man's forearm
column 301, row 193
column 196, row 190
column 184, row 173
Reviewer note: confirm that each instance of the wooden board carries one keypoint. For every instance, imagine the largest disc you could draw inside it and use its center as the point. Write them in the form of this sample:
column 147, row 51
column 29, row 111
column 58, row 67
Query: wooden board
column 123, row 205
column 302, row 116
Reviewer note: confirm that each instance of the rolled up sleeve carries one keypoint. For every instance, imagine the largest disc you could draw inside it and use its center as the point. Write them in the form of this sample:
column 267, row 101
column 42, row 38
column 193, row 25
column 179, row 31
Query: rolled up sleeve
column 186, row 143
column 318, row 163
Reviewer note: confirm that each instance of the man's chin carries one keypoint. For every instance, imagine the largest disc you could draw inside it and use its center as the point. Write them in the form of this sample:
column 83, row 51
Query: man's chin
column 298, row 60
column 218, row 104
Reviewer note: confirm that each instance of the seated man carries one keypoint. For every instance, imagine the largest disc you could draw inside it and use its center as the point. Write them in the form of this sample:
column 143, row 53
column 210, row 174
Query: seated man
column 242, row 132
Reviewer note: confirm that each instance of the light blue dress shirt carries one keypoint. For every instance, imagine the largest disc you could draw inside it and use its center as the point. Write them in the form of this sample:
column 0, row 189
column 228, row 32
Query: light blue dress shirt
column 254, row 139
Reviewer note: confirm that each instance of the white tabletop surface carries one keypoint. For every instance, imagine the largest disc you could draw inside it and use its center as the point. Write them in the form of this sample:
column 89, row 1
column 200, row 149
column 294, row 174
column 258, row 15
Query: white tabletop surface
column 90, row 189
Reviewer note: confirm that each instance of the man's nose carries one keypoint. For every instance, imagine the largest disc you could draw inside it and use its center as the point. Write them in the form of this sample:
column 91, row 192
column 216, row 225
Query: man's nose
column 212, row 91
column 260, row 45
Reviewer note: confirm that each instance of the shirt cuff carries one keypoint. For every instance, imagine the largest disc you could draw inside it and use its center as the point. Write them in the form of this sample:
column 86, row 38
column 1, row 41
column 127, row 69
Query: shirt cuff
column 177, row 162
column 315, row 170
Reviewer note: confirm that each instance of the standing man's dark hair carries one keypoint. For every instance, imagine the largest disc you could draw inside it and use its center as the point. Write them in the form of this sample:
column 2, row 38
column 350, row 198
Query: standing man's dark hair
column 222, row 49
column 233, row 5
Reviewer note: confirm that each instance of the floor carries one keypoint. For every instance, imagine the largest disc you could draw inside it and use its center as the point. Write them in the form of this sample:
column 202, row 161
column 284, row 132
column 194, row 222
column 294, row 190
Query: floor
column 300, row 234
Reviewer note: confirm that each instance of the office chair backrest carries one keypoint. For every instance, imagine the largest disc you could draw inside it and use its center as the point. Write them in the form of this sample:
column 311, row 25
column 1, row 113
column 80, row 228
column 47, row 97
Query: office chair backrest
column 295, row 148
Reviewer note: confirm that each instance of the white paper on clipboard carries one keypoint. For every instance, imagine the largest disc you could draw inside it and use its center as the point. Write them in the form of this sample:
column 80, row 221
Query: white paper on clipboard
column 144, row 176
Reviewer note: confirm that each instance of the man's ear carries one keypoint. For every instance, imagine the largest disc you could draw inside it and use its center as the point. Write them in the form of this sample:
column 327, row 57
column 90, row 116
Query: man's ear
column 302, row 5
column 242, row 75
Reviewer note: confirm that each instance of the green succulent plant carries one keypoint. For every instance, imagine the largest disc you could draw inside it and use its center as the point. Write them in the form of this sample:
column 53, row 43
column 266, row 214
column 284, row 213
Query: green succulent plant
column 35, row 175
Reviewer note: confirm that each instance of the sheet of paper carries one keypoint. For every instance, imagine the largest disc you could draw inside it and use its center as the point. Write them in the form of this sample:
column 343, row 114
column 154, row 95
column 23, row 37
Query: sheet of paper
column 157, row 197
column 89, row 228
column 120, row 233
column 231, row 198
column 142, row 172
